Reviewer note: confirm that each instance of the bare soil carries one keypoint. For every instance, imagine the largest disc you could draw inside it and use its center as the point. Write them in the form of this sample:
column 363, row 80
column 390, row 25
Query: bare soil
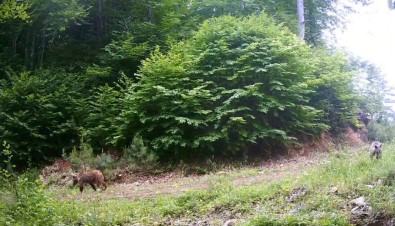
column 175, row 183
column 130, row 186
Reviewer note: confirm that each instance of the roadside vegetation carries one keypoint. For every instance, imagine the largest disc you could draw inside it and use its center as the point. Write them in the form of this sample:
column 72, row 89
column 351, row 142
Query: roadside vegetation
column 325, row 194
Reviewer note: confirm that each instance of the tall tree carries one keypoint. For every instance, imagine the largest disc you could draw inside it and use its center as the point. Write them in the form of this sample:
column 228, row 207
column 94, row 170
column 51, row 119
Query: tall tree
column 371, row 85
column 321, row 15
column 301, row 21
column 48, row 21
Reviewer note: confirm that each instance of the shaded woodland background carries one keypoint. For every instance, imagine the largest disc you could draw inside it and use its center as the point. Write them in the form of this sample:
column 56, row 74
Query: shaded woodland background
column 176, row 80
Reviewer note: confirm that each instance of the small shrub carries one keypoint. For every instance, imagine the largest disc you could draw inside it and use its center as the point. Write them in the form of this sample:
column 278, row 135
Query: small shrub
column 105, row 161
column 27, row 203
column 82, row 157
column 23, row 201
column 139, row 157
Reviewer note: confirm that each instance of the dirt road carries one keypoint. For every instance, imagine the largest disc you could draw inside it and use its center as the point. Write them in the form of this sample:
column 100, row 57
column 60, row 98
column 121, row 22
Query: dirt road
column 175, row 183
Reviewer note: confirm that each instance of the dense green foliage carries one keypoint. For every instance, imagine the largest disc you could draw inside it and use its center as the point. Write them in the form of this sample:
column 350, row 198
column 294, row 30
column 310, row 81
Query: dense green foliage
column 236, row 82
column 10, row 10
column 383, row 131
column 371, row 86
column 188, row 78
column 40, row 114
column 335, row 93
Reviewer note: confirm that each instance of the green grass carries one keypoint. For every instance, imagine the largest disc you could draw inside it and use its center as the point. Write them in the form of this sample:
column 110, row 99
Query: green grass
column 258, row 204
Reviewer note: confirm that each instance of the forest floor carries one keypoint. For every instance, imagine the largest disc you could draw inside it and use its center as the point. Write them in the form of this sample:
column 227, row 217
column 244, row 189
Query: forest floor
column 174, row 183
column 294, row 164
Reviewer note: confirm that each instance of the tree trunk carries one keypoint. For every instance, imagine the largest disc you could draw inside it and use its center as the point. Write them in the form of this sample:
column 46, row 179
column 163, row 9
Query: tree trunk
column 14, row 43
column 32, row 49
column 100, row 19
column 42, row 49
column 313, row 33
column 301, row 20
column 27, row 44
column 150, row 14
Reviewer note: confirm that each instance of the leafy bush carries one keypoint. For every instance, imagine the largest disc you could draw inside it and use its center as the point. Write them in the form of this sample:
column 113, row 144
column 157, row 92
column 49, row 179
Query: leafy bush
column 102, row 121
column 39, row 114
column 27, row 204
column 334, row 91
column 237, row 82
column 125, row 53
column 23, row 201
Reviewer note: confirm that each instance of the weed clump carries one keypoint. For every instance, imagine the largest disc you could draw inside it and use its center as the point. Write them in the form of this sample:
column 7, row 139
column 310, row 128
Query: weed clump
column 23, row 200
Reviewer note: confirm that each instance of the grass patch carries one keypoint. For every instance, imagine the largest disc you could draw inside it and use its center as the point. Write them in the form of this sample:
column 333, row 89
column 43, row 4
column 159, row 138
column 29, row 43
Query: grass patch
column 320, row 196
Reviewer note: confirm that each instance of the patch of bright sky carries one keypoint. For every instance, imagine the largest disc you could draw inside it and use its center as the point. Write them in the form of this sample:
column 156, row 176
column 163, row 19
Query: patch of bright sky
column 370, row 34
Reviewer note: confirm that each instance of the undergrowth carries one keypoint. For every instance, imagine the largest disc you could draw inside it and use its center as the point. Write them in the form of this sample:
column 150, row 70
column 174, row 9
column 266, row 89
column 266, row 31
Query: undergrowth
column 320, row 196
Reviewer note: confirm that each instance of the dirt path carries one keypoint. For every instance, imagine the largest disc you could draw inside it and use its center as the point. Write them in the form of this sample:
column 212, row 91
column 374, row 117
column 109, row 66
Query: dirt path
column 174, row 184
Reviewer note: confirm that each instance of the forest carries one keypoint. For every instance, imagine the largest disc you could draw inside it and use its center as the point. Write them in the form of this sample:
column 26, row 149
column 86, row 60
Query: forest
column 156, row 86
column 185, row 79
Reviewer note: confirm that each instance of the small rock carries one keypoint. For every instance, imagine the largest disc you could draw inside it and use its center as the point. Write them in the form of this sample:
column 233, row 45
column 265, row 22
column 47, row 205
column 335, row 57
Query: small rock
column 355, row 209
column 359, row 201
column 334, row 190
column 362, row 210
column 231, row 222
column 200, row 223
column 369, row 186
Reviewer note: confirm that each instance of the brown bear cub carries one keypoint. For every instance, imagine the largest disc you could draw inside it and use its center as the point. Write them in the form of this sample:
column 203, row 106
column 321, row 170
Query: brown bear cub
column 92, row 177
column 376, row 149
